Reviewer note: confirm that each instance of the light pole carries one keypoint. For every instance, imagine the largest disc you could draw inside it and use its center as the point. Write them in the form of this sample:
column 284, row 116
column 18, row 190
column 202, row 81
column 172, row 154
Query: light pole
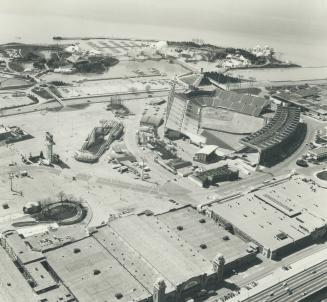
column 11, row 176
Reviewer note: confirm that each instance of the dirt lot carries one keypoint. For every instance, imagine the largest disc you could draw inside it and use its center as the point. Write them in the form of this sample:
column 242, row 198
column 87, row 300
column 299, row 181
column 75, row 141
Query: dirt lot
column 106, row 190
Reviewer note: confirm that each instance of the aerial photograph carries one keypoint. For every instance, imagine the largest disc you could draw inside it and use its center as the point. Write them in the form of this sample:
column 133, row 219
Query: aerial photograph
column 163, row 151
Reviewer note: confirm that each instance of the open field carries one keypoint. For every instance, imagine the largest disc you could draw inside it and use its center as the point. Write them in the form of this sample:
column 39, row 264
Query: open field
column 94, row 182
column 118, row 86
column 10, row 101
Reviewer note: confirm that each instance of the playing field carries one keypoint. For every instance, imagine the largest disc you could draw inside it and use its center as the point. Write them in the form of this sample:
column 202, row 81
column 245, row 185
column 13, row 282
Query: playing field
column 229, row 121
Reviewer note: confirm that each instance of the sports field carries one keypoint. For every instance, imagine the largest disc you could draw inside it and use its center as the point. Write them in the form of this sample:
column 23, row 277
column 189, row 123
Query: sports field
column 229, row 121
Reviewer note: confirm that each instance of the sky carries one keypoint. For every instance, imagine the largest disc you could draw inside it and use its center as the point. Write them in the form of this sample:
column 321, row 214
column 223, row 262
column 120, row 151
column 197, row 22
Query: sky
column 275, row 15
column 285, row 24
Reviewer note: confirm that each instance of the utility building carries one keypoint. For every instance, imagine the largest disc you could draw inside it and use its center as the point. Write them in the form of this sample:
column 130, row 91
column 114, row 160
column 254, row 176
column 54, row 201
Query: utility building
column 206, row 155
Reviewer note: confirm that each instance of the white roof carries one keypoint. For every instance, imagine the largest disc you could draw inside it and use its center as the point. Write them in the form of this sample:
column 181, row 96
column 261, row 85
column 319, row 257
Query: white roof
column 208, row 149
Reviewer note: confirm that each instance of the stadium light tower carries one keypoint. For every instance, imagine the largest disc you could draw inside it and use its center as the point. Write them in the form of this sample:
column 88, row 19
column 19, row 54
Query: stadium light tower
column 252, row 80
column 171, row 97
column 11, row 176
column 240, row 78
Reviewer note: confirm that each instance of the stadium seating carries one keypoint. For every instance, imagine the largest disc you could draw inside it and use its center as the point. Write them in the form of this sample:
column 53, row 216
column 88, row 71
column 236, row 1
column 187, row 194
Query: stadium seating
column 281, row 126
column 245, row 104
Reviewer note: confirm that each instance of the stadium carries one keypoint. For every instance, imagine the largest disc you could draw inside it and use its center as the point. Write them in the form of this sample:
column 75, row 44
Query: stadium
column 235, row 121
column 220, row 118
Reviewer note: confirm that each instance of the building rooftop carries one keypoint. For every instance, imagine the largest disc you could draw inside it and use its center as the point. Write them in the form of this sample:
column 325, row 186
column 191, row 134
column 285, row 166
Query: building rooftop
column 129, row 258
column 312, row 98
column 175, row 259
column 152, row 120
column 198, row 229
column 208, row 149
column 93, row 274
column 20, row 248
column 56, row 237
column 269, row 214
column 41, row 276
column 14, row 287
column 306, row 196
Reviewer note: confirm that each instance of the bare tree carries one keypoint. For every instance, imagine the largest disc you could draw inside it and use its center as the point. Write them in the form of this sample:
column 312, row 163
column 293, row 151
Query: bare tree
column 61, row 196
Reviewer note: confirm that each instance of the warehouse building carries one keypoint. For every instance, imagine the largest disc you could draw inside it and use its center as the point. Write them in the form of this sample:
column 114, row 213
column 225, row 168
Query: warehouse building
column 207, row 154
column 167, row 257
column 280, row 219
column 211, row 177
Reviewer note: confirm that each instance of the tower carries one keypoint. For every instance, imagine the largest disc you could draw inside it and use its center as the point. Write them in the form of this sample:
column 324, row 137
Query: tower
column 171, row 98
column 218, row 266
column 159, row 289
column 49, row 146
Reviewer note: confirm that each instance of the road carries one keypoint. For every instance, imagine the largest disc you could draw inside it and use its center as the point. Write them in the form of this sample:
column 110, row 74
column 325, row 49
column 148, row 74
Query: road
column 254, row 274
column 78, row 101
column 309, row 281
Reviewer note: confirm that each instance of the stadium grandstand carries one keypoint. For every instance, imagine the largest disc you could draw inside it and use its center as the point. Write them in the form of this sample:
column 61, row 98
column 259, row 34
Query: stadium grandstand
column 233, row 101
column 184, row 113
column 272, row 141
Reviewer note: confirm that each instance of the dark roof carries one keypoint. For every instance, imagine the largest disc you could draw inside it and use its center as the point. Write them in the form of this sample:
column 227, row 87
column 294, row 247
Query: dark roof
column 151, row 120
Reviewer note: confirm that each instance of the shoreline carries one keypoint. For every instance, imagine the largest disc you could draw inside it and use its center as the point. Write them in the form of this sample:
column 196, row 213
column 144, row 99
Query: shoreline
column 62, row 38
column 268, row 66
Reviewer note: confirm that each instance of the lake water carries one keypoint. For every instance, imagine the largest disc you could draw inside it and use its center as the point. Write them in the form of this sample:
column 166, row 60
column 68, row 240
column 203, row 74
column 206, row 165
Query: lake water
column 296, row 29
column 284, row 74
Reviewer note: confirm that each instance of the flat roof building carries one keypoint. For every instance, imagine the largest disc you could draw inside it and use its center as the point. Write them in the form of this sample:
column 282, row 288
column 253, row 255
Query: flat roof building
column 177, row 253
column 206, row 154
column 13, row 285
column 277, row 221
column 215, row 175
